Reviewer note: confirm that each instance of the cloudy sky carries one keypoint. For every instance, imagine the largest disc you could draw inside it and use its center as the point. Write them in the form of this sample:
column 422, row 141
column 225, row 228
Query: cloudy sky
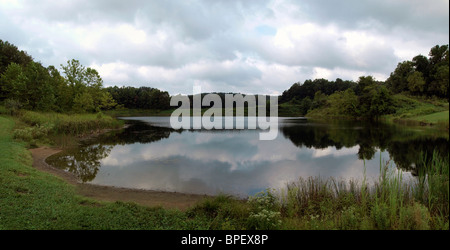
column 247, row 46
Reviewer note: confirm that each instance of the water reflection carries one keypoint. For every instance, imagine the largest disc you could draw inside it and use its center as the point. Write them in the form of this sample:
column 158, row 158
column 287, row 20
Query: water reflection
column 150, row 155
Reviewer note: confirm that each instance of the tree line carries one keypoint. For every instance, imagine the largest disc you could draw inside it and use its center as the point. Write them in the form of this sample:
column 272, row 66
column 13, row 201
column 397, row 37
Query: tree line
column 367, row 97
column 27, row 84
column 140, row 98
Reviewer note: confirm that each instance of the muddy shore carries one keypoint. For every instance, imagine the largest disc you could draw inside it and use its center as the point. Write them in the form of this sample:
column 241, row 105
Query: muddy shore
column 106, row 193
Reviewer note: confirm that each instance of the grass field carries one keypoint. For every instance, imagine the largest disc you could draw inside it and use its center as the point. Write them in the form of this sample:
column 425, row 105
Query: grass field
column 434, row 117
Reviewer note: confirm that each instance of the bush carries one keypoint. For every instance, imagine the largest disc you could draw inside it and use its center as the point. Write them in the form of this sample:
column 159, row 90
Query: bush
column 13, row 107
column 414, row 217
column 32, row 134
column 264, row 214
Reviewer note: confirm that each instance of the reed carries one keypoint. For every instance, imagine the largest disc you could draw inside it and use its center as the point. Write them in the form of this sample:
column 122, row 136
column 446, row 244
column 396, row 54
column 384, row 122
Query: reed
column 389, row 203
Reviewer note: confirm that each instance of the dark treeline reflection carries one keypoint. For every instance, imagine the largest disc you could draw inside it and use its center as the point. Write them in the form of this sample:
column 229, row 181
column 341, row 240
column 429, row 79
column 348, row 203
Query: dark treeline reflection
column 406, row 148
column 409, row 149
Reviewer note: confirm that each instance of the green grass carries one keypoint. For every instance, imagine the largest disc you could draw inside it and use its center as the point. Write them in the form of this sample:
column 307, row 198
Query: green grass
column 38, row 128
column 70, row 124
column 434, row 117
column 30, row 199
column 418, row 110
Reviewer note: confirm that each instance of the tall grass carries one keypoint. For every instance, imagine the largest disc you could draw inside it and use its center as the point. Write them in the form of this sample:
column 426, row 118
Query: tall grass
column 38, row 127
column 390, row 203
column 71, row 124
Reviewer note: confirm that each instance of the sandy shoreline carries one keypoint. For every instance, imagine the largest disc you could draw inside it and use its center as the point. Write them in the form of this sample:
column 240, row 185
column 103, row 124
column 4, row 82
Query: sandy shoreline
column 107, row 193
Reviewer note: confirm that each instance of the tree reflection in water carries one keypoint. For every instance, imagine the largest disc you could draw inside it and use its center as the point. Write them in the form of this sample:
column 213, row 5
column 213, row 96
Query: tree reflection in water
column 405, row 147
column 84, row 161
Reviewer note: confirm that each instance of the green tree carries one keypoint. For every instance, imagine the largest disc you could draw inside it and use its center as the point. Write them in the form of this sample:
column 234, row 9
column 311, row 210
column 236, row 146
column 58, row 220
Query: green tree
column 86, row 87
column 39, row 93
column 83, row 102
column 416, row 82
column 375, row 101
column 13, row 83
column 107, row 101
column 364, row 82
column 305, row 105
column 63, row 92
column 440, row 84
column 422, row 64
column 397, row 81
column 320, row 99
column 75, row 73
column 9, row 53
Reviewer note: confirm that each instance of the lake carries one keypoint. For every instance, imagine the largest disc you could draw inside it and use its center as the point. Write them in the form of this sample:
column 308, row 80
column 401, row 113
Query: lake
column 150, row 155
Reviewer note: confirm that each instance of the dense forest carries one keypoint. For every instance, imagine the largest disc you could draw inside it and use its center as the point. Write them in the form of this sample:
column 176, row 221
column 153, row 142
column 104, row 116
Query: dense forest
column 27, row 84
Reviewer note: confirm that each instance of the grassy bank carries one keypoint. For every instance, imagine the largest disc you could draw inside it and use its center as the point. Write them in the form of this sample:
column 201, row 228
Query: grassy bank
column 36, row 127
column 30, row 199
column 409, row 111
column 420, row 111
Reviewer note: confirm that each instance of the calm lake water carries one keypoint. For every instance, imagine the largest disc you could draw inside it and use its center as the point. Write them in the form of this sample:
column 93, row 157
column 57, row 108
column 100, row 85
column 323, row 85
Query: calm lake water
column 150, row 155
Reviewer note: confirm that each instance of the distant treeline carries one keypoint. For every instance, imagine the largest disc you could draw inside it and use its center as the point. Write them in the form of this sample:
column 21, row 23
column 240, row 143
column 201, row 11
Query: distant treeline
column 140, row 98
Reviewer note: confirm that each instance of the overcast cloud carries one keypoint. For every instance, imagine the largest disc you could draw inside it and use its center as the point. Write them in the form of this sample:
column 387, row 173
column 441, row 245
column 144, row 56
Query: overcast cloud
column 247, row 46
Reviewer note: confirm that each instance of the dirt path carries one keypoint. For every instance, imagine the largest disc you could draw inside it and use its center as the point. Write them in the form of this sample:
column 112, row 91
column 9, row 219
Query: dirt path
column 106, row 193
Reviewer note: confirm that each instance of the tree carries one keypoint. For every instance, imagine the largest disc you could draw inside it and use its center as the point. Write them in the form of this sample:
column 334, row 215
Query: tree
column 86, row 87
column 320, row 99
column 416, row 82
column 9, row 53
column 107, row 101
column 375, row 101
column 13, row 83
column 83, row 102
column 63, row 92
column 440, row 84
column 438, row 55
column 75, row 73
column 363, row 83
column 305, row 105
column 422, row 65
column 397, row 81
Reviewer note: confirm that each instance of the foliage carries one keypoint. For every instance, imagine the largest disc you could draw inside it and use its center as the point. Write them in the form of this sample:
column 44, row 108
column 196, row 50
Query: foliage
column 70, row 124
column 264, row 214
column 423, row 75
column 79, row 89
column 13, row 107
column 140, row 98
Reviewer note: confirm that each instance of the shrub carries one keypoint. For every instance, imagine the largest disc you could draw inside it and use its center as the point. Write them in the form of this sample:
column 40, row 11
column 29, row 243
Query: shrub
column 264, row 214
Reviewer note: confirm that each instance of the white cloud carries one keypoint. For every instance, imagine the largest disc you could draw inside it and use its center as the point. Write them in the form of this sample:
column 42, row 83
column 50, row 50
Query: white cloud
column 240, row 46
